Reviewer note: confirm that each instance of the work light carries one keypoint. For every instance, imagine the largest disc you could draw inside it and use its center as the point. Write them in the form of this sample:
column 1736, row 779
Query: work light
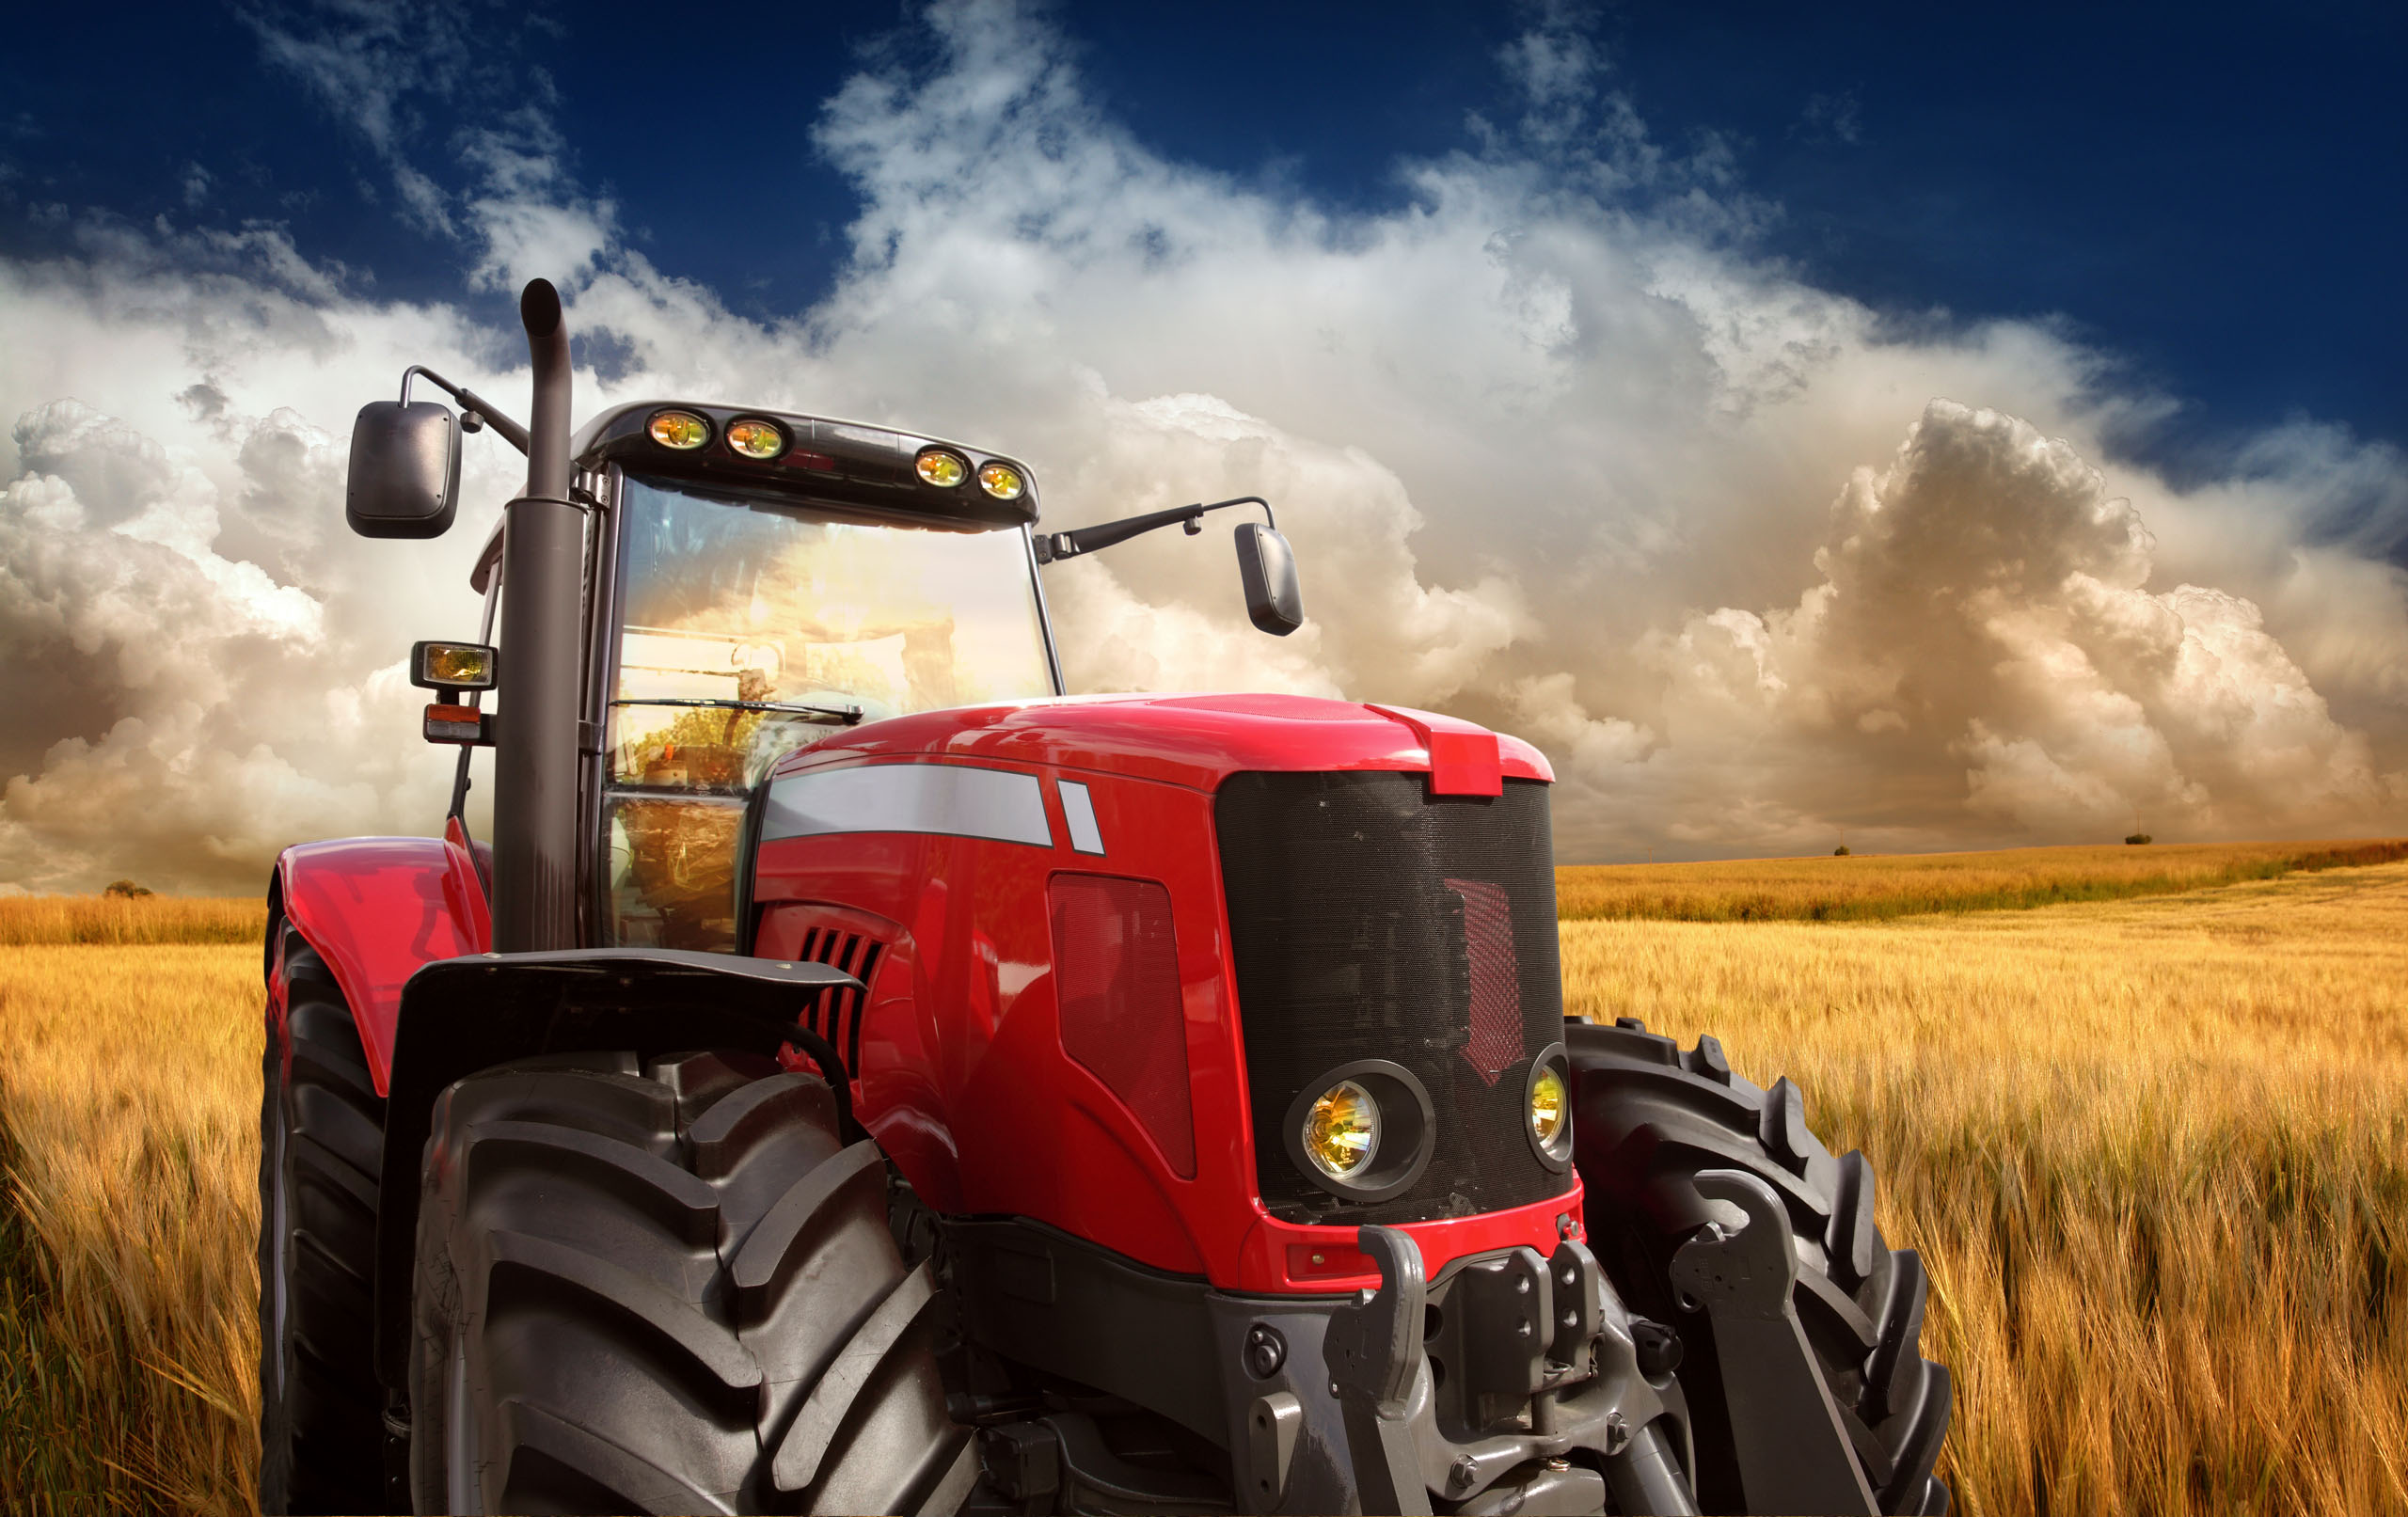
column 941, row 468
column 1002, row 480
column 681, row 430
column 452, row 665
column 756, row 438
column 1341, row 1132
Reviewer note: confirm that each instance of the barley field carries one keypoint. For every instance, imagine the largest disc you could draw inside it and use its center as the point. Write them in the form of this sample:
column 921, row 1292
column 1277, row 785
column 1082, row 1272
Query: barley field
column 2154, row 1152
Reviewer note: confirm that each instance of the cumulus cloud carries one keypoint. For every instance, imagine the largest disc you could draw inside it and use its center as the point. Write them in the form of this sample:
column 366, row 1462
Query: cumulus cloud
column 1557, row 450
column 1980, row 635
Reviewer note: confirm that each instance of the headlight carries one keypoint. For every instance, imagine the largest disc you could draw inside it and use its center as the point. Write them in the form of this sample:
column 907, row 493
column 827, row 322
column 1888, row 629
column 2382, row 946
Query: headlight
column 681, row 430
column 1549, row 1107
column 1342, row 1131
column 1001, row 481
column 756, row 438
column 1547, row 1102
column 1363, row 1131
column 942, row 469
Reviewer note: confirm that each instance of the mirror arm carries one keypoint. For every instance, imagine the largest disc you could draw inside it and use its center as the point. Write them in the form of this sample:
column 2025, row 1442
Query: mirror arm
column 512, row 433
column 1053, row 545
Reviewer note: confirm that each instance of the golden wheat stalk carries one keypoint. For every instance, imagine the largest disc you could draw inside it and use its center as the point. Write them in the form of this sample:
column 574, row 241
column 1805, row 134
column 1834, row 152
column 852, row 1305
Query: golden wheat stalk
column 2154, row 1153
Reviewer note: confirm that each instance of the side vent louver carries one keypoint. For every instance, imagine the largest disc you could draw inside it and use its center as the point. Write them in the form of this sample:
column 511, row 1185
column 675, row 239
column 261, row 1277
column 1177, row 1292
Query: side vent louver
column 836, row 1014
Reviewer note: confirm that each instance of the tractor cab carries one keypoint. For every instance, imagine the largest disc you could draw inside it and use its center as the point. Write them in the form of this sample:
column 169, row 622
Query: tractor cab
column 751, row 579
column 766, row 578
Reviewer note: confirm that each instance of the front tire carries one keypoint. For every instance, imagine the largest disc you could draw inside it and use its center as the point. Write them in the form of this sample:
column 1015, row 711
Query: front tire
column 321, row 1138
column 667, row 1289
column 1650, row 1118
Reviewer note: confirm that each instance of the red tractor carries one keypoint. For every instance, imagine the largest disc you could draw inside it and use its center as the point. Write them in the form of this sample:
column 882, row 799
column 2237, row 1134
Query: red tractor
column 858, row 1077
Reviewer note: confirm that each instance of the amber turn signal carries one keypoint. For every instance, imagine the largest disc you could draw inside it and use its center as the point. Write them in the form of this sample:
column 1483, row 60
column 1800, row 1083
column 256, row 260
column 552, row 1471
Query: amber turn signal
column 457, row 724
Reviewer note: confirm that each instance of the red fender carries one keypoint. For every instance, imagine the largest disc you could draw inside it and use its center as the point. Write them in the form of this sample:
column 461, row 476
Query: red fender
column 377, row 909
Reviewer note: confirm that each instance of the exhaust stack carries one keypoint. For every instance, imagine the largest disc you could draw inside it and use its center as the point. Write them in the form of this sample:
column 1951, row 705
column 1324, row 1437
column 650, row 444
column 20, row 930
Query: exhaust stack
column 536, row 765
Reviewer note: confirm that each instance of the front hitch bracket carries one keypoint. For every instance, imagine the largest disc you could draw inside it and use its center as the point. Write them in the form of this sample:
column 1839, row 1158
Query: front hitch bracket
column 1544, row 1407
column 1373, row 1347
column 1792, row 1451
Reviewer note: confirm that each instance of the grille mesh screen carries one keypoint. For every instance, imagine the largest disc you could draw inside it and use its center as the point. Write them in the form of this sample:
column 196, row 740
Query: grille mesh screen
column 1370, row 920
column 1116, row 973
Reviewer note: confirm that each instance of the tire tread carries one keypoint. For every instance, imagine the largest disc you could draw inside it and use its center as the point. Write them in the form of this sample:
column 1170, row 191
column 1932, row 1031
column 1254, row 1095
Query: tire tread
column 1651, row 1116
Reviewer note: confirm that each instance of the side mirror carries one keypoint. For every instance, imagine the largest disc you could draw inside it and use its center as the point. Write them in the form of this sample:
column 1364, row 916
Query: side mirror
column 1268, row 566
column 405, row 470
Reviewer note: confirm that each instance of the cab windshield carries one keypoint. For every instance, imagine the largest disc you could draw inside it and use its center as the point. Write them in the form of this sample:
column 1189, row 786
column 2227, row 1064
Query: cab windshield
column 748, row 628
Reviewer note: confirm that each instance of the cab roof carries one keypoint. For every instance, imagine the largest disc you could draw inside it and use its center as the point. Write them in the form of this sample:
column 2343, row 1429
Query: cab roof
column 844, row 463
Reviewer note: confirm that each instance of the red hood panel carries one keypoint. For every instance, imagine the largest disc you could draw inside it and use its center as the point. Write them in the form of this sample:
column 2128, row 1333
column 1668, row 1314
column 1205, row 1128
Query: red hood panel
column 1195, row 740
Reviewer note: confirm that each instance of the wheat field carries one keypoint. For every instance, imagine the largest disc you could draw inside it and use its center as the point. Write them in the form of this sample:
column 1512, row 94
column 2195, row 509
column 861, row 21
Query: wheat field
column 2154, row 1153
column 26, row 920
column 128, row 1078
column 1876, row 887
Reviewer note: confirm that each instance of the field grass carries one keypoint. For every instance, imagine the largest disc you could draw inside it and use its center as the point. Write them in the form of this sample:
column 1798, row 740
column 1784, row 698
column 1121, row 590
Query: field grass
column 26, row 920
column 2154, row 1153
column 129, row 1077
column 1876, row 887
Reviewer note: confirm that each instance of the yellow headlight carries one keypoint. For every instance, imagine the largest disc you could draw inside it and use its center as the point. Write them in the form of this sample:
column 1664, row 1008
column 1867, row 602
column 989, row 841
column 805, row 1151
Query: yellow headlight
column 1342, row 1131
column 756, row 439
column 941, row 468
column 1550, row 1107
column 681, row 430
column 1001, row 481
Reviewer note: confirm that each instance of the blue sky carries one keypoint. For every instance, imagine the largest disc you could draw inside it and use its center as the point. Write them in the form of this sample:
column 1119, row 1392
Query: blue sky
column 2208, row 195
column 1911, row 428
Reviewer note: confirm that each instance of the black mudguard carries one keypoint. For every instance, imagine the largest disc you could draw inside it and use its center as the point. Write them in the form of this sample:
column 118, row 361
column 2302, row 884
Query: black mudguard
column 462, row 1015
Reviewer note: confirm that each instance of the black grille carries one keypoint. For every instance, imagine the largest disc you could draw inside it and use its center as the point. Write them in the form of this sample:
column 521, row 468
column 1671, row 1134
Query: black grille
column 1368, row 918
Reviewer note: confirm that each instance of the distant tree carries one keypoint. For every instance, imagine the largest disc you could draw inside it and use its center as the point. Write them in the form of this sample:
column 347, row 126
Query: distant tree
column 2138, row 838
column 125, row 889
column 1840, row 852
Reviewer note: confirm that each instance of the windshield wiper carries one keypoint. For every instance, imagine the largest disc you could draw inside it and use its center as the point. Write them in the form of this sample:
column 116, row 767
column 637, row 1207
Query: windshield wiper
column 835, row 716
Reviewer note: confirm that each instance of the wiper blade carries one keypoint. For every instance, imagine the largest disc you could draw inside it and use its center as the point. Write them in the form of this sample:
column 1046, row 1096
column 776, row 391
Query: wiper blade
column 835, row 716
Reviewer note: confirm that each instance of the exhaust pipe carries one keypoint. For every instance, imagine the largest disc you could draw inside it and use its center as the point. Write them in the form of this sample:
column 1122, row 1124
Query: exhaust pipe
column 535, row 827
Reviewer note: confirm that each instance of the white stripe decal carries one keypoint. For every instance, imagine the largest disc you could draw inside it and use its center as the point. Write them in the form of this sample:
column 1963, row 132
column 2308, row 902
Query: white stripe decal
column 1079, row 810
column 950, row 800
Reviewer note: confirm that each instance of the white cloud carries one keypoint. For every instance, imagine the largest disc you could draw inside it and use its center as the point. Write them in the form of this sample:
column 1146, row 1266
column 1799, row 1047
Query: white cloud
column 1557, row 452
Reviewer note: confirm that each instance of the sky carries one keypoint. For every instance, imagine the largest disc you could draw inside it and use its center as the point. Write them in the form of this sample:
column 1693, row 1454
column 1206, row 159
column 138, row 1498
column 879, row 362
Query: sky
column 1897, row 427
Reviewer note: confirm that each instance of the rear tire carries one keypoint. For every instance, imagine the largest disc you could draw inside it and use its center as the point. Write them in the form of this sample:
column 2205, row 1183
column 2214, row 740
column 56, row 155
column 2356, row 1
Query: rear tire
column 1650, row 1118
column 668, row 1288
column 321, row 1138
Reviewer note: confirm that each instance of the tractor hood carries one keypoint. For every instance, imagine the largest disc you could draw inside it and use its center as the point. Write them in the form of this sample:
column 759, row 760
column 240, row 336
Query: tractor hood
column 1195, row 740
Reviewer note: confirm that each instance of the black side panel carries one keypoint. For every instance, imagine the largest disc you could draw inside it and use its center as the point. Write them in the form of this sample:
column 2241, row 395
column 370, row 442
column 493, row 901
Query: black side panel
column 1066, row 1307
column 1370, row 919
